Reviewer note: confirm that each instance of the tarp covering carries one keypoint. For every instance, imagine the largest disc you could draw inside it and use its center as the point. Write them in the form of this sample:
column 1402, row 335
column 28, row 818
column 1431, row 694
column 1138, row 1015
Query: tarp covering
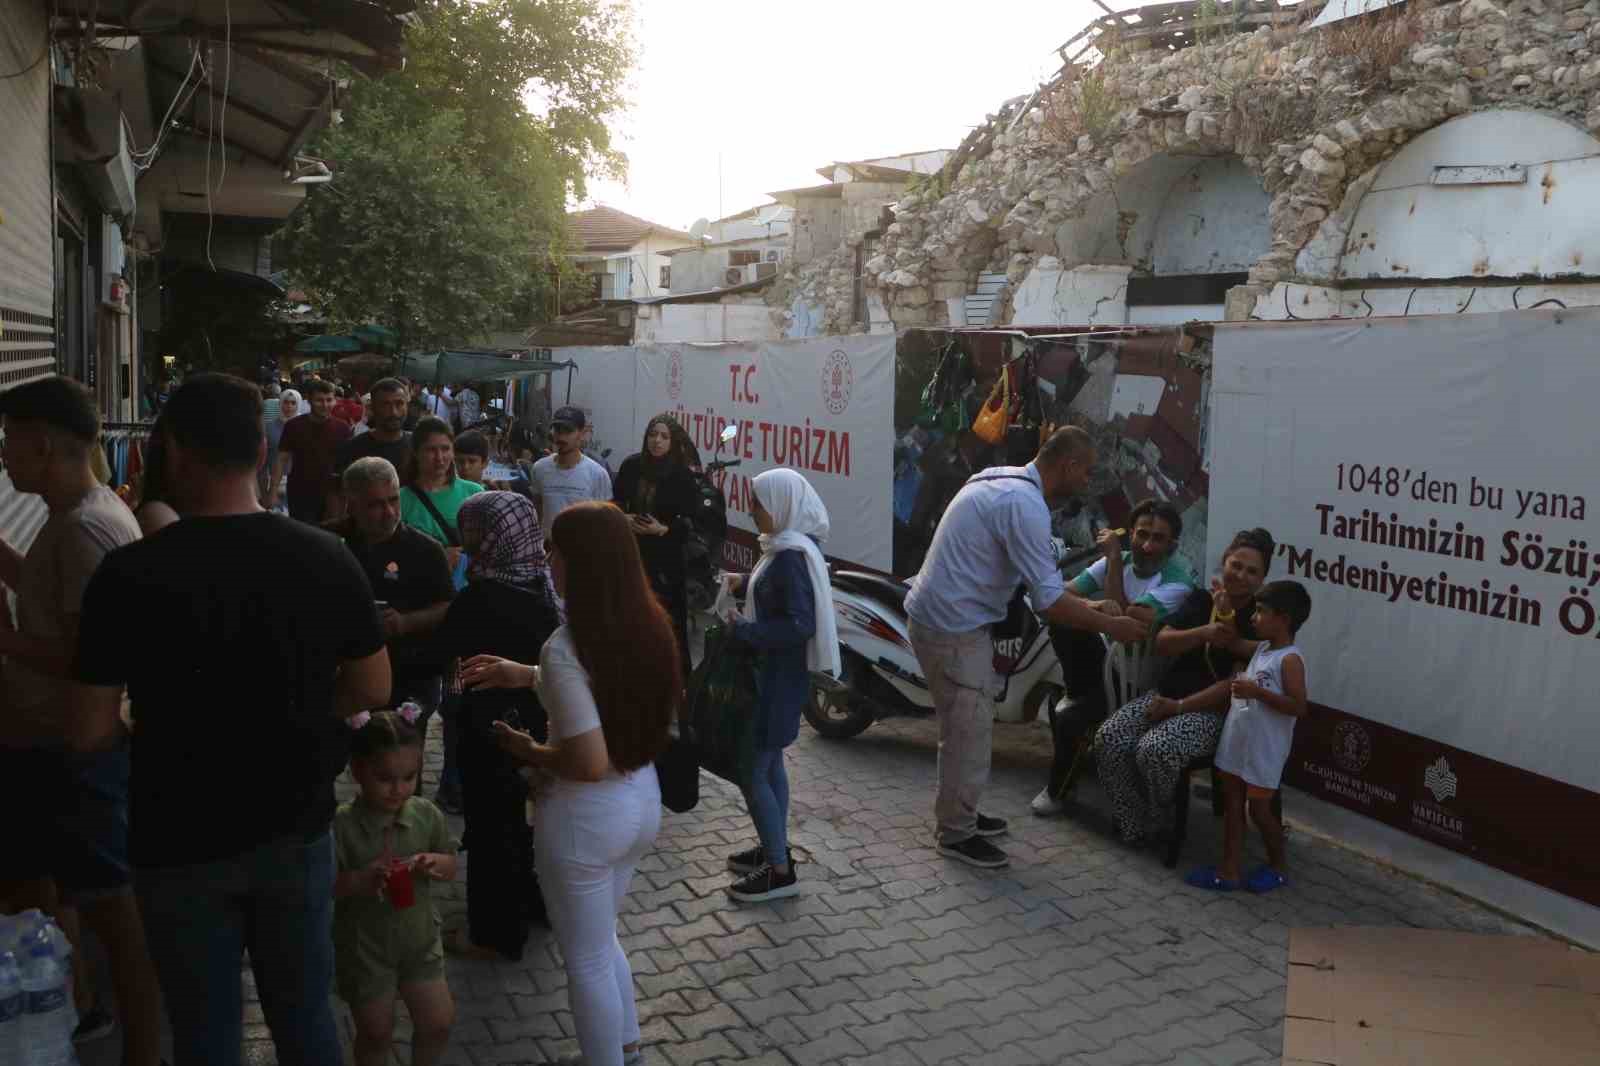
column 327, row 342
column 457, row 366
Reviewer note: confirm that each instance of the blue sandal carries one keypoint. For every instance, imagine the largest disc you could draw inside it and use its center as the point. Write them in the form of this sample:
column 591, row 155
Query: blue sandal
column 1206, row 877
column 1265, row 879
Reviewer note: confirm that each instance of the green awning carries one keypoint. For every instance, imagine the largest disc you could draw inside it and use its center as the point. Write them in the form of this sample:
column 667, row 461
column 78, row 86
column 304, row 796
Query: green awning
column 458, row 366
column 325, row 342
column 375, row 335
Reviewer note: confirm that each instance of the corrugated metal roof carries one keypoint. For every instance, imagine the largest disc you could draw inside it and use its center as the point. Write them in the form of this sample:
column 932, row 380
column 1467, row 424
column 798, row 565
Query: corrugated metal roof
column 368, row 34
column 605, row 229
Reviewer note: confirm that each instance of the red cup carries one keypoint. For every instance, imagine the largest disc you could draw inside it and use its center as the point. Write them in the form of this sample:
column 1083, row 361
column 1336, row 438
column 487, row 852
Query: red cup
column 400, row 889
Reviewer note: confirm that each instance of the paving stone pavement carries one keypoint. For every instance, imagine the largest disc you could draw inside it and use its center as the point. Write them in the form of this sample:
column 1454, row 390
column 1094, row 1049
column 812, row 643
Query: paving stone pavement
column 1082, row 953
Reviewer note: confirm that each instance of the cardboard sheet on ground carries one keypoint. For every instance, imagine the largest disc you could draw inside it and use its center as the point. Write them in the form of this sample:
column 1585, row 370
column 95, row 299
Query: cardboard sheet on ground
column 1421, row 997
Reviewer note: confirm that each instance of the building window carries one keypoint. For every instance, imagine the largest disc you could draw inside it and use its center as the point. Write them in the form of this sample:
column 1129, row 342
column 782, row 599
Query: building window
column 666, row 277
column 739, row 259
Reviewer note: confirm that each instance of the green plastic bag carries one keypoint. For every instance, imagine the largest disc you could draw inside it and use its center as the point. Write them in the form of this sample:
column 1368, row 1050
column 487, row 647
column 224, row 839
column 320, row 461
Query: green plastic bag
column 722, row 705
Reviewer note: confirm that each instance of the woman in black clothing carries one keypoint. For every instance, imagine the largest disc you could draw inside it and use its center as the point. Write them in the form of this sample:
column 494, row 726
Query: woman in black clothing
column 656, row 488
column 509, row 608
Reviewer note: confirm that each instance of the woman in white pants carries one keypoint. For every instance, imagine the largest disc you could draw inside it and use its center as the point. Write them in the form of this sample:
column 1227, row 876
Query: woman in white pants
column 610, row 689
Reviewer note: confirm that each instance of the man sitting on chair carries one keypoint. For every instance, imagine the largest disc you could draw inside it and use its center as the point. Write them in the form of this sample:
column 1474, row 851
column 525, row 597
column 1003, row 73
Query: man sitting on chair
column 1146, row 582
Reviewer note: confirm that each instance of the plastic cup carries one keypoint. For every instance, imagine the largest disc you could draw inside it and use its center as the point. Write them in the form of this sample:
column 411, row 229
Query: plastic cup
column 400, row 889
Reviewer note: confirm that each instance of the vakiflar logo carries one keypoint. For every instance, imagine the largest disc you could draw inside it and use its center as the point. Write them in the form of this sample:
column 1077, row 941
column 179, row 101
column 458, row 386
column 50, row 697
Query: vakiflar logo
column 1440, row 780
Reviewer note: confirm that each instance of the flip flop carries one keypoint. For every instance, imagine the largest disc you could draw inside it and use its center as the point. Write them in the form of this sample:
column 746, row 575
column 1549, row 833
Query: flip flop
column 1265, row 879
column 1206, row 877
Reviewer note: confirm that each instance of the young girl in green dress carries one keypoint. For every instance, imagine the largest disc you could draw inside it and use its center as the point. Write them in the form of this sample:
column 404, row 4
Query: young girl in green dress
column 391, row 845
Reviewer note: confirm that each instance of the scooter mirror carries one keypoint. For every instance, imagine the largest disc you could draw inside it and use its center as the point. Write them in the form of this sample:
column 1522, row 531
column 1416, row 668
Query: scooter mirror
column 729, row 432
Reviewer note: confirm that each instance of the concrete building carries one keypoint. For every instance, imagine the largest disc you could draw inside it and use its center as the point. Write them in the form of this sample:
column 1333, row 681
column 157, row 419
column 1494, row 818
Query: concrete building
column 735, row 250
column 624, row 256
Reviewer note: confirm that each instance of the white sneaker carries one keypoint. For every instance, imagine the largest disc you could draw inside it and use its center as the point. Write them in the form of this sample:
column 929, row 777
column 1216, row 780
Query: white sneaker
column 1045, row 804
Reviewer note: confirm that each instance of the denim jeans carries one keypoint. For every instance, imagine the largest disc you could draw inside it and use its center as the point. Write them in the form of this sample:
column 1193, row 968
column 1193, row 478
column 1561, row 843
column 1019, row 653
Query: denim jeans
column 769, row 803
column 274, row 901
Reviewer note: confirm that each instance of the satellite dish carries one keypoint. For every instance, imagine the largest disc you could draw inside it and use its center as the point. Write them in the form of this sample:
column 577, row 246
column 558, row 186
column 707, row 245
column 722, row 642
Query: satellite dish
column 698, row 230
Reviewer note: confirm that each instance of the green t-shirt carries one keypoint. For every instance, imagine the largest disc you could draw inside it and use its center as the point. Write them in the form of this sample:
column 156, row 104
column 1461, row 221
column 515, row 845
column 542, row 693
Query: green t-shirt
column 448, row 500
column 1164, row 591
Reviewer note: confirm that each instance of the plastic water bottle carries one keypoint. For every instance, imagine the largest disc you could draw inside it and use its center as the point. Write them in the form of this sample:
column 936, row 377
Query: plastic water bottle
column 48, row 1016
column 10, row 1008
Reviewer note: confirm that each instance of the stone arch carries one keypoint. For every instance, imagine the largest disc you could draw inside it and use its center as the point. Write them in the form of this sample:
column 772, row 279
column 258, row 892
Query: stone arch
column 1504, row 193
column 1173, row 215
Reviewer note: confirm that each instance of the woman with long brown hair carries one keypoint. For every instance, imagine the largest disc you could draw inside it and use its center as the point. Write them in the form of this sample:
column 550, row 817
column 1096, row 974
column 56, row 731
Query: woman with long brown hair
column 610, row 682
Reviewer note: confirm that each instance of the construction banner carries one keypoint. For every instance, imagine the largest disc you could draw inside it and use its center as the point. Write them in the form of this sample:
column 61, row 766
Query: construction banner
column 823, row 406
column 1431, row 482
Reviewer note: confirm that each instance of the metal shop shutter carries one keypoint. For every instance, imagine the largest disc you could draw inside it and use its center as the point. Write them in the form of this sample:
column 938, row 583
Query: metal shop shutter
column 27, row 260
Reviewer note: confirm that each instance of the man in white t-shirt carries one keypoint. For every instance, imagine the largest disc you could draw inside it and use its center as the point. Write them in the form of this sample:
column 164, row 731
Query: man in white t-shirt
column 1146, row 582
column 67, row 833
column 568, row 476
column 438, row 402
column 468, row 406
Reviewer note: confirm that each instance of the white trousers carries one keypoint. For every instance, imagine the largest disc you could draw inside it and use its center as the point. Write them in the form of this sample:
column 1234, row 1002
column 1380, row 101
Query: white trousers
column 587, row 839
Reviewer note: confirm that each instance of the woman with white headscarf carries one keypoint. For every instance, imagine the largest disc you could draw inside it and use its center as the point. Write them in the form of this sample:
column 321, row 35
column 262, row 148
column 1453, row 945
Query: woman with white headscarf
column 788, row 616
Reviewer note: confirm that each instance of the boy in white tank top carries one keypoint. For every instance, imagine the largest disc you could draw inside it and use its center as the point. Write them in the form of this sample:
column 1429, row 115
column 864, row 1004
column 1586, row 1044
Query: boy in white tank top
column 1268, row 697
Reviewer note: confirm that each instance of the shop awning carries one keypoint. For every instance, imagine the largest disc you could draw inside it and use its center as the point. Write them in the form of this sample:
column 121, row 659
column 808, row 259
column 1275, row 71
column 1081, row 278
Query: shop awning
column 453, row 367
column 325, row 342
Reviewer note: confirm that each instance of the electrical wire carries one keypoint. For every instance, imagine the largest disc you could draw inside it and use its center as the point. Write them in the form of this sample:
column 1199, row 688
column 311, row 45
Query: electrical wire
column 44, row 51
column 211, row 129
column 222, row 133
column 146, row 159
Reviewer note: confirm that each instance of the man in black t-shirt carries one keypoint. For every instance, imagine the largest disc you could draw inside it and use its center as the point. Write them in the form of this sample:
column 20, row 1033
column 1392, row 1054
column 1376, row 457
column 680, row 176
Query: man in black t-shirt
column 241, row 684
column 387, row 437
column 410, row 577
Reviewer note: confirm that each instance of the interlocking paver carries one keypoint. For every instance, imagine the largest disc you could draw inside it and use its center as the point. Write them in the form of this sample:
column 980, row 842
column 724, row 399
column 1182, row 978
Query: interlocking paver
column 1080, row 954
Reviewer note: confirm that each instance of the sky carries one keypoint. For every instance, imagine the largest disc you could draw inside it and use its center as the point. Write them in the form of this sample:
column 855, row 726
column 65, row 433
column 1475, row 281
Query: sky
column 780, row 89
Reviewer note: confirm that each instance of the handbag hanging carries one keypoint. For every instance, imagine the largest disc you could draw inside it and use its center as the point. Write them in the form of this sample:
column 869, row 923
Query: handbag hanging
column 990, row 425
column 678, row 770
column 721, row 695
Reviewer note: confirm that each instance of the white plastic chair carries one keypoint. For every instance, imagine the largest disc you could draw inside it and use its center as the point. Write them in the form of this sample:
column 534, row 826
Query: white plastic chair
column 1130, row 671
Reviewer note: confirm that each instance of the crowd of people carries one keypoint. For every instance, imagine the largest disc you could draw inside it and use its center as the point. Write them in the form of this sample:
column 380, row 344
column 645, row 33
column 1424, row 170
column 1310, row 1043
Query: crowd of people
column 176, row 717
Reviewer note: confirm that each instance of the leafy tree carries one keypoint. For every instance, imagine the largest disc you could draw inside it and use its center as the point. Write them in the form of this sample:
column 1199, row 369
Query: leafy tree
column 447, row 213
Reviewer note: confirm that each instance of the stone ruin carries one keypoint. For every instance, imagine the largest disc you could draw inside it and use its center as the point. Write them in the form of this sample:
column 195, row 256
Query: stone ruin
column 1309, row 112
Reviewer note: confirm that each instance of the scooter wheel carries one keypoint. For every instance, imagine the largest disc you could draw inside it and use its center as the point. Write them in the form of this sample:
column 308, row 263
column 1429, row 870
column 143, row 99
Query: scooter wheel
column 836, row 712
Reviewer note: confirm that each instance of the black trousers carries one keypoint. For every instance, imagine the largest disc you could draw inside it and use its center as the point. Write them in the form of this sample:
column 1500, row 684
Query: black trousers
column 1083, row 657
column 502, row 891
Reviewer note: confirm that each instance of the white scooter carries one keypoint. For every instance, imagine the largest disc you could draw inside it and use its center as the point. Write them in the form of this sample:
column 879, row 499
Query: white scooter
column 879, row 676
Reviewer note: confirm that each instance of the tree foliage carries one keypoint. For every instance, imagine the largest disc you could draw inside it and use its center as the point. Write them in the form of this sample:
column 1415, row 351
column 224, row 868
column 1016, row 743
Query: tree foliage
column 447, row 213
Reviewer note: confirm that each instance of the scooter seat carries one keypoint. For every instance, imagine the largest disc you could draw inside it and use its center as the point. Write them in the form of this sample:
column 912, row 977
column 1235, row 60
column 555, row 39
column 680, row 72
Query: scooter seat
column 885, row 590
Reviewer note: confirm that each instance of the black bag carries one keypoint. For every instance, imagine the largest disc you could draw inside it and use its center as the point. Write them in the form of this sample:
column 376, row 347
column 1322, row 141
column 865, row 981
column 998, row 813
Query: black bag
column 678, row 769
column 722, row 698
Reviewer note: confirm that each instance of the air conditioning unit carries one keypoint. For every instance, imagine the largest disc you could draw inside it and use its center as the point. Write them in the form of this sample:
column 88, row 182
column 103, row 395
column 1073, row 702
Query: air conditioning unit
column 774, row 255
column 766, row 270
column 733, row 276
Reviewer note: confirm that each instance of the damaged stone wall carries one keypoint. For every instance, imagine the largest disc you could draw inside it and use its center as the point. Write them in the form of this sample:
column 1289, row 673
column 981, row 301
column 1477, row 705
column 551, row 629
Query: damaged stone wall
column 1302, row 110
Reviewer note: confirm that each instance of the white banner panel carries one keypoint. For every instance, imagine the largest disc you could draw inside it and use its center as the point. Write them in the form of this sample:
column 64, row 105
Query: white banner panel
column 822, row 405
column 603, row 387
column 1432, row 483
